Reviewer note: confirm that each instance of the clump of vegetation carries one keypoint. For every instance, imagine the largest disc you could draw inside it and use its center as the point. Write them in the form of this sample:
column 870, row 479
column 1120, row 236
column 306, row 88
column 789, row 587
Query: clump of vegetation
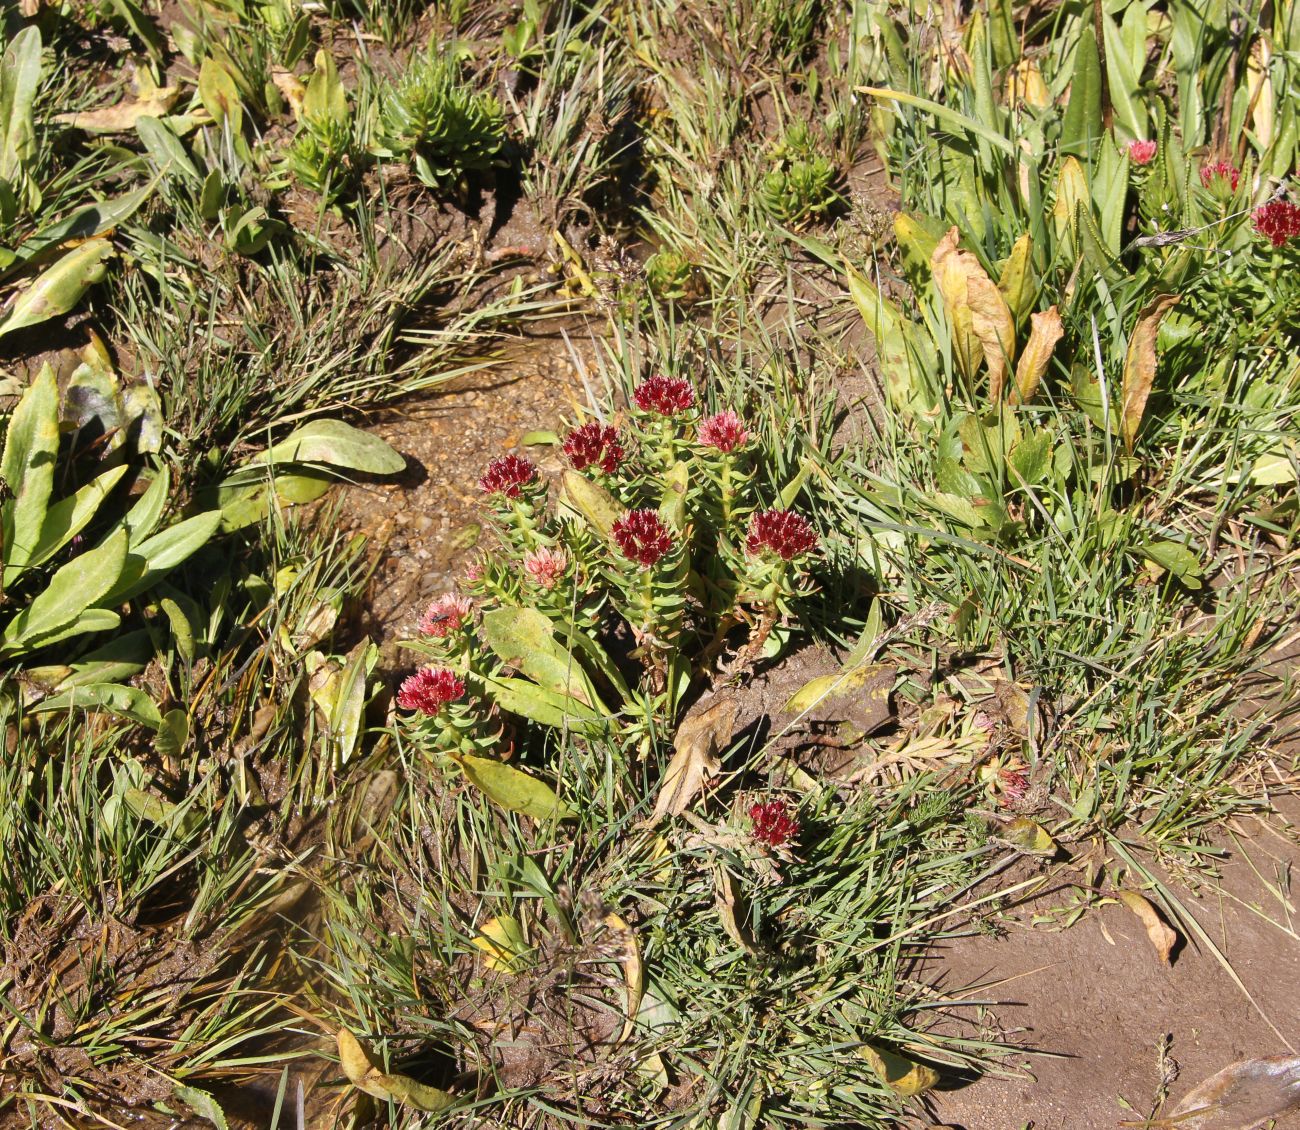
column 801, row 185
column 430, row 117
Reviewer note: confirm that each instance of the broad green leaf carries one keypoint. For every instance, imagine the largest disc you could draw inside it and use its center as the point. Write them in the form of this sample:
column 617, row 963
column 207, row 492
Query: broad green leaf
column 547, row 708
column 904, row 351
column 68, row 517
column 342, row 699
column 20, row 78
column 945, row 113
column 1081, row 125
column 91, row 620
column 90, row 220
column 127, row 702
column 60, row 287
column 1176, row 558
column 524, row 638
column 1123, row 72
column 1032, row 456
column 916, row 243
column 202, row 1104
column 1110, row 187
column 336, row 444
column 78, row 585
column 27, row 469
column 143, row 518
column 116, row 661
column 592, row 502
column 325, row 100
column 159, row 554
column 672, row 502
column 856, row 683
column 512, row 788
column 166, row 150
column 173, row 733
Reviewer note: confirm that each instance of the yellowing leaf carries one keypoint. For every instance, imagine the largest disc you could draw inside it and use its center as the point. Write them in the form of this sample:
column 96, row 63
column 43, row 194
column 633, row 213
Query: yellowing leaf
column 60, row 287
column 512, row 788
column 983, row 328
column 1016, row 282
column 363, row 1073
column 1025, row 85
column 1027, row 836
column 901, row 1075
column 1045, row 331
column 1162, row 938
column 1071, row 191
column 1140, row 366
column 702, row 733
column 220, row 95
column 1260, row 83
column 633, row 973
column 502, row 941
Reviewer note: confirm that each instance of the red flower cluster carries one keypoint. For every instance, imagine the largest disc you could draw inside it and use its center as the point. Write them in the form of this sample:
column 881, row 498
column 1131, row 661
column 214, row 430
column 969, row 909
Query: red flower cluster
column 1141, row 152
column 594, row 445
column 1224, row 171
column 774, row 824
column 782, row 532
column 506, row 476
column 445, row 615
column 642, row 536
column 665, row 396
column 1278, row 221
column 430, row 689
column 726, row 431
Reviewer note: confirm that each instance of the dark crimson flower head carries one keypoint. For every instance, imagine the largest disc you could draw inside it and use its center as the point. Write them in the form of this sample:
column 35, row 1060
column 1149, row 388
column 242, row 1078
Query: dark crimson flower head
column 642, row 536
column 506, row 476
column 594, row 445
column 1278, row 221
column 782, row 532
column 1141, row 152
column 665, row 396
column 1222, row 171
column 774, row 823
column 430, row 689
column 726, row 431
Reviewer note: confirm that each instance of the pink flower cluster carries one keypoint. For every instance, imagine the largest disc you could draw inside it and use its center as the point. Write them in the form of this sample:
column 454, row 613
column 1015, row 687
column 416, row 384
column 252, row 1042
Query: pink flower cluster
column 781, row 532
column 1142, row 152
column 593, row 445
column 642, row 536
column 545, row 566
column 1223, row 172
column 774, row 824
column 725, row 431
column 445, row 615
column 664, row 396
column 1278, row 221
column 430, row 689
column 506, row 476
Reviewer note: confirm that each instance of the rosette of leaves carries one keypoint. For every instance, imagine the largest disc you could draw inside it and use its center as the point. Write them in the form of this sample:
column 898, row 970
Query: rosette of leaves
column 672, row 277
column 801, row 187
column 325, row 155
column 433, row 119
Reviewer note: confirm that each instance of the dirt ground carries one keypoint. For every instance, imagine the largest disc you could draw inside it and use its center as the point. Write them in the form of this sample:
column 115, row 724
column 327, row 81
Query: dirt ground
column 1093, row 1005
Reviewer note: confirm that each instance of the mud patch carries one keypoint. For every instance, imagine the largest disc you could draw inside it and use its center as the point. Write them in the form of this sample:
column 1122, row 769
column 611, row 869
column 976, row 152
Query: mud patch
column 1092, row 1006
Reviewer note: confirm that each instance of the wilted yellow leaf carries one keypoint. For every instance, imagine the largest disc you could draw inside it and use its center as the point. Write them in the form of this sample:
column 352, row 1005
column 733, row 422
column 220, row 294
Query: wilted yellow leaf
column 1260, row 85
column 901, row 1075
column 365, row 1075
column 1242, row 1096
column 1017, row 279
column 122, row 118
column 1025, row 84
column 1045, row 331
column 983, row 328
column 633, row 973
column 1140, row 365
column 1027, row 836
column 1162, row 938
column 1071, row 191
column 502, row 941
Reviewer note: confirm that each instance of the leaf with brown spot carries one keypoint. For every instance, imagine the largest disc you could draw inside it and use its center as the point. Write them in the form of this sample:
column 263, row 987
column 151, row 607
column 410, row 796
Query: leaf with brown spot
column 983, row 328
column 1140, row 365
column 1158, row 931
column 702, row 733
column 1045, row 331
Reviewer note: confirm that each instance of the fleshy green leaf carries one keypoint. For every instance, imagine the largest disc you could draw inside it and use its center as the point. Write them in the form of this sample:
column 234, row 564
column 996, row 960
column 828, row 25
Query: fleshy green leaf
column 512, row 788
